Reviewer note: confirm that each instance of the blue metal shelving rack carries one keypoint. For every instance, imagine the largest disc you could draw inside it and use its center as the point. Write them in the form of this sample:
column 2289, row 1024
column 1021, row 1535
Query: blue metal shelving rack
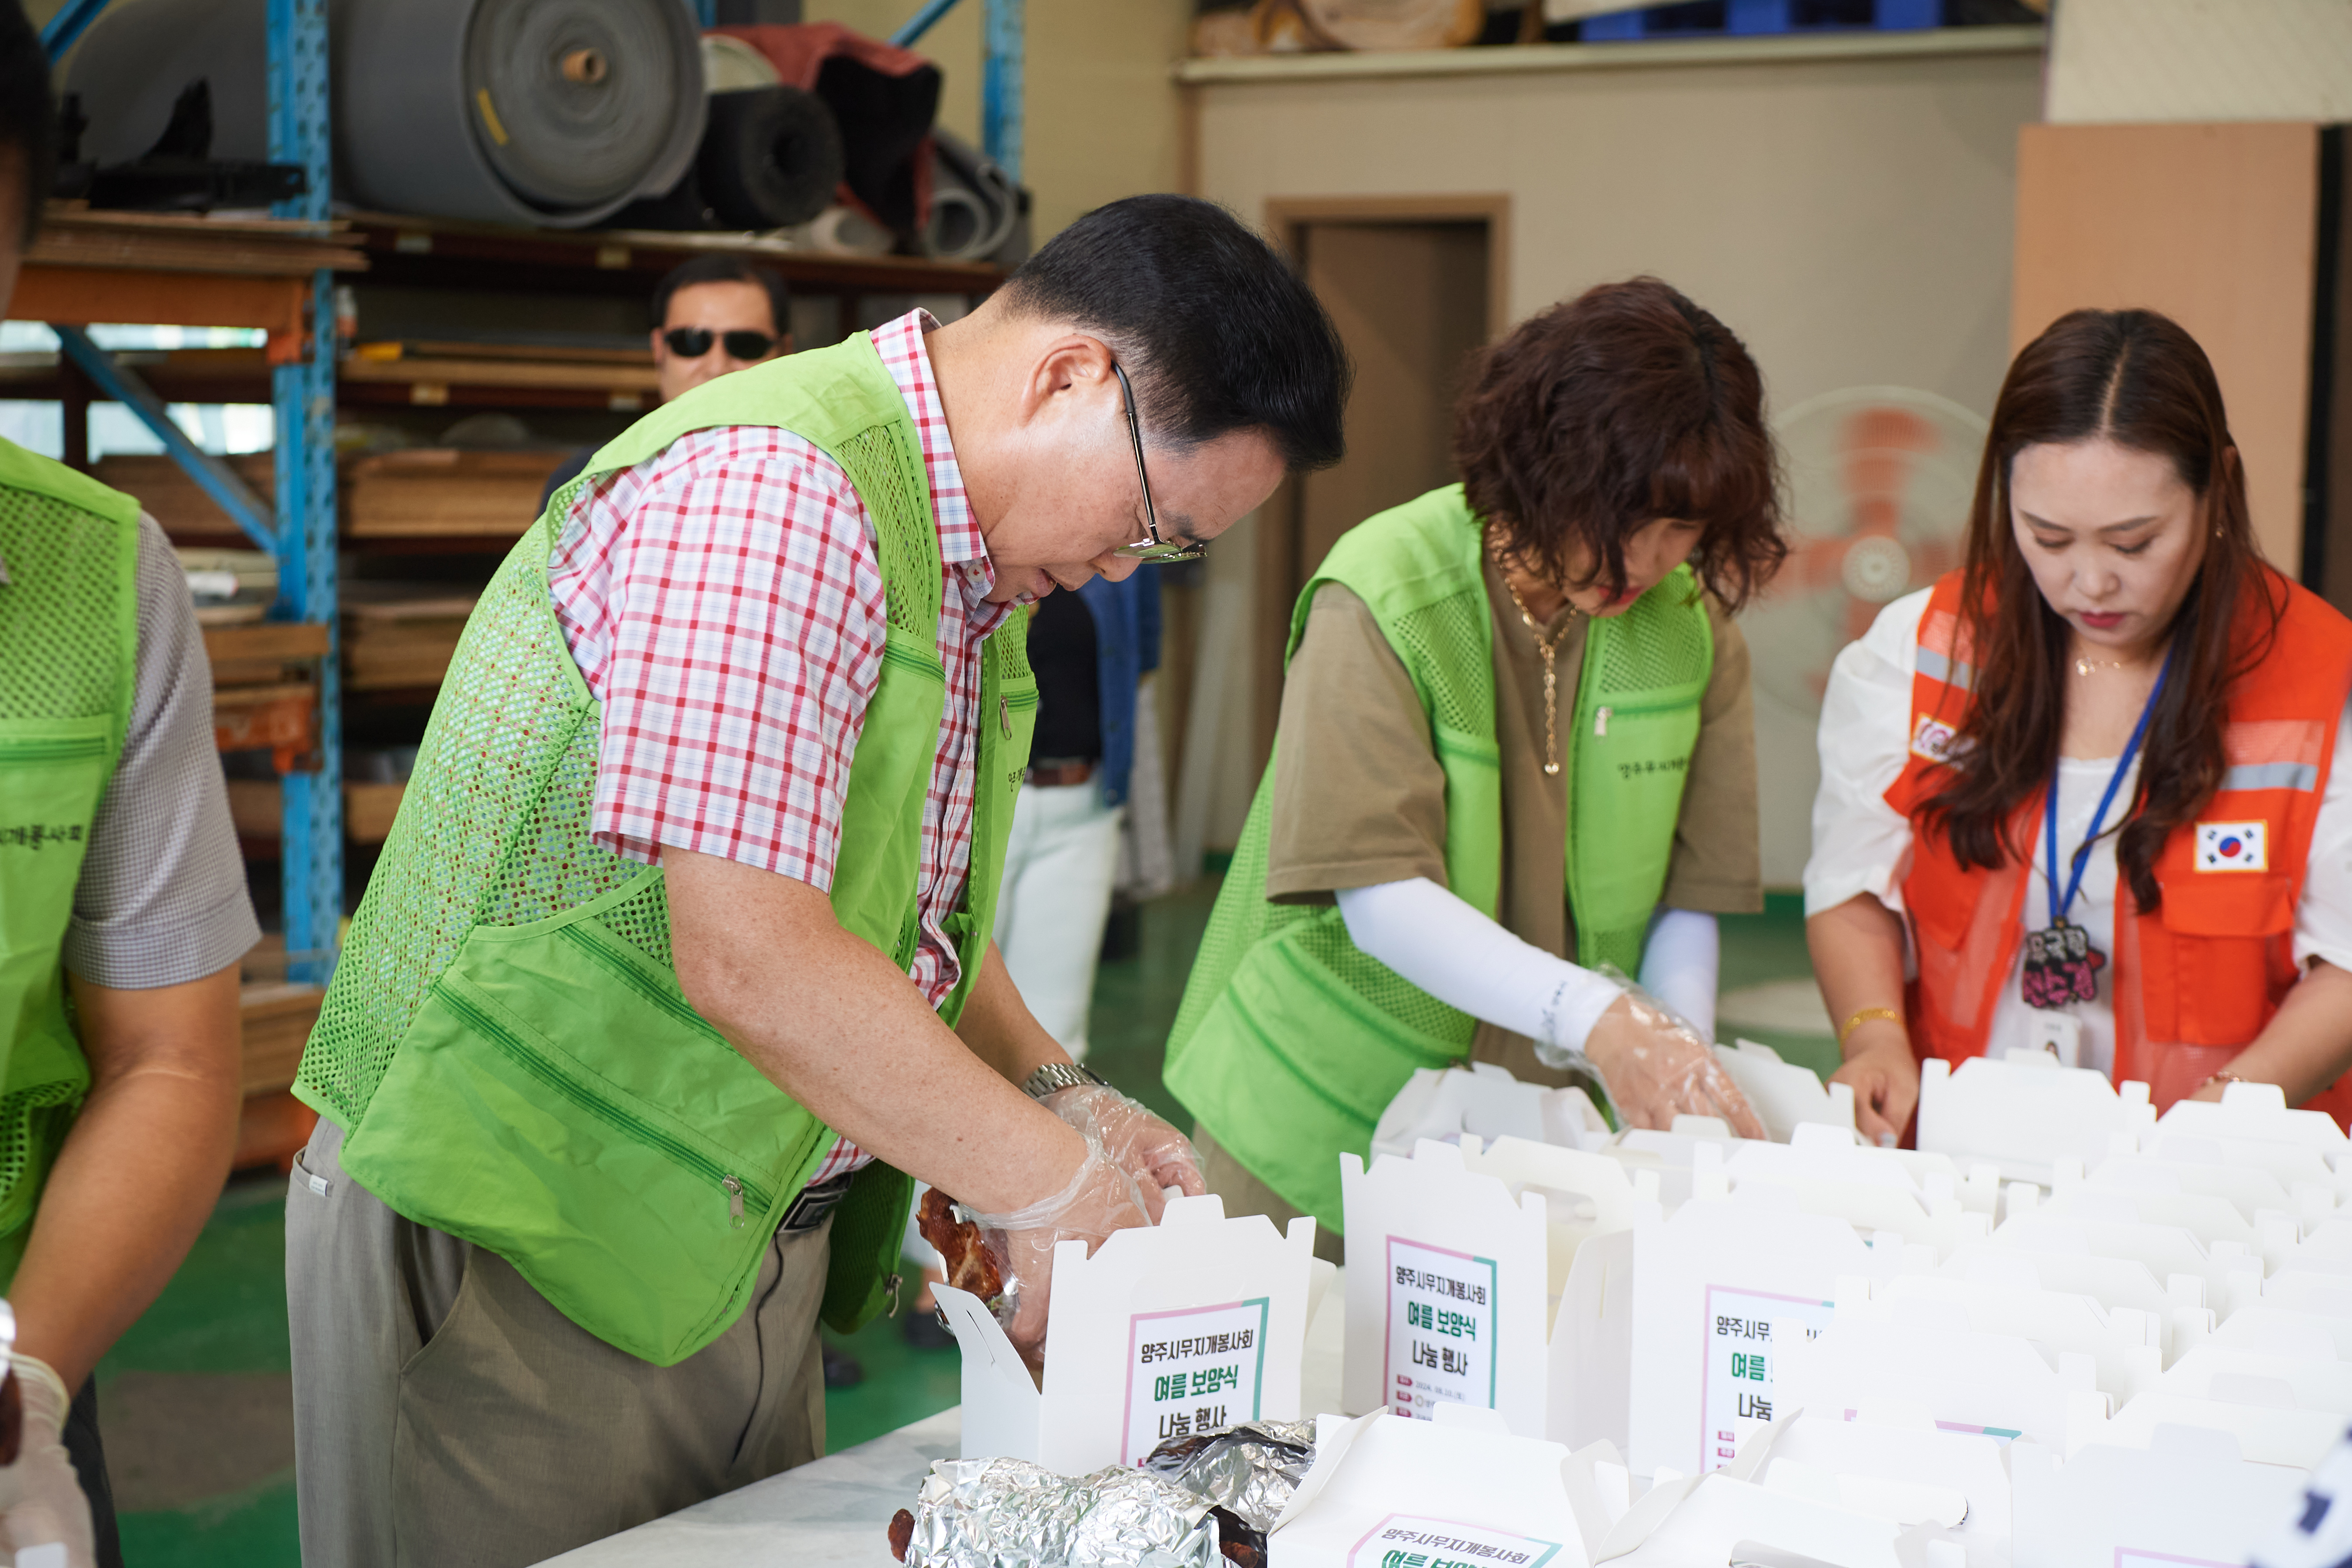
column 300, row 528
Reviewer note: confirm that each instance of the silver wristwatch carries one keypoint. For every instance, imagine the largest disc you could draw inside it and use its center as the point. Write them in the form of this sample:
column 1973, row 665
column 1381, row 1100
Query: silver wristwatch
column 1055, row 1076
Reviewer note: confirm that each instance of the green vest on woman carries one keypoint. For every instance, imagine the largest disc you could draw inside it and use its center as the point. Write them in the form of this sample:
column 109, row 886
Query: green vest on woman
column 505, row 1041
column 1291, row 1041
column 68, row 650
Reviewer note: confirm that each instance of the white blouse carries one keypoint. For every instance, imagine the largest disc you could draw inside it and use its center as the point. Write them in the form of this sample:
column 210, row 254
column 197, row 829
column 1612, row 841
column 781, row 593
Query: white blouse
column 1862, row 845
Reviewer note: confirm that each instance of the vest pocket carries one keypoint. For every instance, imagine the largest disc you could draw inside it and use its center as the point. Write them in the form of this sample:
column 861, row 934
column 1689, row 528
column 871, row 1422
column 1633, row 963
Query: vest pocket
column 557, row 1102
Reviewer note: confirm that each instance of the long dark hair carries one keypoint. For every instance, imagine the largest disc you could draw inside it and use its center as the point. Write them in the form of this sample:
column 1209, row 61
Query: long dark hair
column 2136, row 378
column 1626, row 403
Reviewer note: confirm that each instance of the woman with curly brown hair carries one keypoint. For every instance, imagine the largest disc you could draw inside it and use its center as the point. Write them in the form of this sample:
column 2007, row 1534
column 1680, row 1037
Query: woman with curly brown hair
column 1515, row 762
column 2083, row 785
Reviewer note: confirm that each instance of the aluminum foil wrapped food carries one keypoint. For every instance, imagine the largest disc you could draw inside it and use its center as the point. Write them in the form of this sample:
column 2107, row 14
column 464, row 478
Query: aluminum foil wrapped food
column 1010, row 1513
column 1203, row 1501
column 1250, row 1470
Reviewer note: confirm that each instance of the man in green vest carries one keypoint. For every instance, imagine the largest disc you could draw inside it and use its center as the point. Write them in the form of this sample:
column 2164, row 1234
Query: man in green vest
column 123, row 916
column 676, row 969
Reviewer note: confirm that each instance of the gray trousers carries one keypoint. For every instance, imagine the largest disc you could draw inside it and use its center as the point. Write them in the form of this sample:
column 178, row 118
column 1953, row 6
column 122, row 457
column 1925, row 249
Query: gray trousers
column 445, row 1415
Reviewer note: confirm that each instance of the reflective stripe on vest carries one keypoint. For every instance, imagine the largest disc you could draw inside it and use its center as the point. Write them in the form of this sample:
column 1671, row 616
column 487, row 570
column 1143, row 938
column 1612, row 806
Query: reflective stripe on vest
column 69, row 648
column 2195, row 982
column 1291, row 1041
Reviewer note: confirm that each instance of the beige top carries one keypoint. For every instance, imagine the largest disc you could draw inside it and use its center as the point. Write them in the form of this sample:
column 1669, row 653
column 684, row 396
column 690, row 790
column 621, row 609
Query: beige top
column 1360, row 797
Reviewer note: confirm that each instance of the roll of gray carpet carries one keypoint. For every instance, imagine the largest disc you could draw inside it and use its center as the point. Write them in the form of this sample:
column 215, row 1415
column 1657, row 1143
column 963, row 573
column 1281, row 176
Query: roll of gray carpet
column 553, row 112
column 549, row 111
column 771, row 157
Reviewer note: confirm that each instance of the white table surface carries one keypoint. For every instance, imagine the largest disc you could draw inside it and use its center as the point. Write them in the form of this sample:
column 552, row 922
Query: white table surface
column 835, row 1512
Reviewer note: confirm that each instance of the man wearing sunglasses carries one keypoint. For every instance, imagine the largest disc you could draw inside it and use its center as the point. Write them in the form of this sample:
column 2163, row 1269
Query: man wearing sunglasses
column 713, row 315
column 717, row 314
column 676, row 968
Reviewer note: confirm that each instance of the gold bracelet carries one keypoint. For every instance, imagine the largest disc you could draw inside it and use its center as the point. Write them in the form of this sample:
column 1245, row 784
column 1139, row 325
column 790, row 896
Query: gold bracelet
column 2215, row 1078
column 1892, row 1015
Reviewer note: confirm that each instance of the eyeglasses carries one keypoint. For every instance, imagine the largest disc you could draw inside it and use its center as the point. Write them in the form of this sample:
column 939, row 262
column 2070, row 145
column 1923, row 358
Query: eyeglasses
column 693, row 343
column 1153, row 549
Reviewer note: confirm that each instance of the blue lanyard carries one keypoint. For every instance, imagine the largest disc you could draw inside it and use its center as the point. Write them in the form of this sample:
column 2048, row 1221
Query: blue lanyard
column 2058, row 907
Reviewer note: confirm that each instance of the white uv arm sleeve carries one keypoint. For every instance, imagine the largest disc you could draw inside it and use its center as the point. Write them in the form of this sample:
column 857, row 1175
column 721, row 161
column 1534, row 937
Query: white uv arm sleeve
column 1680, row 963
column 1464, row 960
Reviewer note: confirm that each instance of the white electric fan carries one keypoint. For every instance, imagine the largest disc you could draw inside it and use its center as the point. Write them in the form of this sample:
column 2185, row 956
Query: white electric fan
column 1879, row 483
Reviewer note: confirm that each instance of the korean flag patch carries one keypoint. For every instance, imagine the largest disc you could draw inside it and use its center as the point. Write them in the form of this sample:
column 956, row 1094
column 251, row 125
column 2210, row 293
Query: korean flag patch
column 2234, row 846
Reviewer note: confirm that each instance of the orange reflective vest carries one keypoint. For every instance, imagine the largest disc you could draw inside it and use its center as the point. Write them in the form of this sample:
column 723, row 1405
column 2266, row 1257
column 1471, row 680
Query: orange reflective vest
column 2194, row 982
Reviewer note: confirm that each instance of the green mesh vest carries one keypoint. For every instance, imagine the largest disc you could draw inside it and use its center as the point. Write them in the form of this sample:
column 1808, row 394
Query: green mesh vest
column 504, row 1040
column 1290, row 1041
column 68, row 646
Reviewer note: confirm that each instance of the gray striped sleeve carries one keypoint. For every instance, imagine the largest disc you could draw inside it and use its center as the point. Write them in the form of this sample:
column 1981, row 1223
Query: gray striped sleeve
column 161, row 899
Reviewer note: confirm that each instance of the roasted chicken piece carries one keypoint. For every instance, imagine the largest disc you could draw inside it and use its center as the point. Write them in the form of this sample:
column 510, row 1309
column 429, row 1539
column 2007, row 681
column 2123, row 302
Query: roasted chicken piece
column 971, row 1264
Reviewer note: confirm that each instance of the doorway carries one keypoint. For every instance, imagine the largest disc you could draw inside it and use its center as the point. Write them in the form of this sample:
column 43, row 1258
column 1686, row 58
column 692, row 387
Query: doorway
column 1414, row 285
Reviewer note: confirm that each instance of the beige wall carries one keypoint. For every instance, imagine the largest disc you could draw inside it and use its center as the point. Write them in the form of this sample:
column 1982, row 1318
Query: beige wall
column 1850, row 217
column 1101, row 111
column 2195, row 59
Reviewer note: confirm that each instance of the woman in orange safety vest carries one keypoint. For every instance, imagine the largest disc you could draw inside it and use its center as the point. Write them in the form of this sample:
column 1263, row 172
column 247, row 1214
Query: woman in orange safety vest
column 2079, row 796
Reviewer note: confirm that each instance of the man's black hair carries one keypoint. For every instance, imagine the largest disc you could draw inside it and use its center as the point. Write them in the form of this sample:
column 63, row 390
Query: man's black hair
column 28, row 116
column 726, row 269
column 1217, row 332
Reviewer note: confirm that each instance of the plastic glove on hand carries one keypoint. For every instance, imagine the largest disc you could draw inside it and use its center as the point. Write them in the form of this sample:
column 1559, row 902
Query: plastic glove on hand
column 1101, row 1198
column 1656, row 1066
column 1141, row 1144
column 41, row 1499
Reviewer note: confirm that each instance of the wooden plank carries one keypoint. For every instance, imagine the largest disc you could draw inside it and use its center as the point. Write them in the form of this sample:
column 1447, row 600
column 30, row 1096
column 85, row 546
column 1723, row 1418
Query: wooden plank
column 270, row 640
column 84, row 294
column 607, row 376
column 275, row 1019
column 180, row 242
column 2213, row 224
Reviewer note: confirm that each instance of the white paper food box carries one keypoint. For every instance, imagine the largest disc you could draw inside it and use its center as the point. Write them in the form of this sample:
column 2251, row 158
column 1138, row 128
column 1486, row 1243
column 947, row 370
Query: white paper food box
column 1198, row 1321
column 1447, row 1289
column 1487, row 1102
column 1458, row 1486
column 1784, row 1094
column 2025, row 1112
column 1712, row 1283
column 2187, row 1499
column 1912, row 1459
column 1754, row 1510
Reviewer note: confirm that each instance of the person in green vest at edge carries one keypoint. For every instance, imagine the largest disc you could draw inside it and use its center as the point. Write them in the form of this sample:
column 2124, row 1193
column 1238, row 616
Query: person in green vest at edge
column 122, row 917
column 1515, row 764
column 676, row 969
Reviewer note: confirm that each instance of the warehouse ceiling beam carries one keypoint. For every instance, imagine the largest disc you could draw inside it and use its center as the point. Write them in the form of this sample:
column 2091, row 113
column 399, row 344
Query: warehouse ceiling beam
column 72, row 19
column 122, row 384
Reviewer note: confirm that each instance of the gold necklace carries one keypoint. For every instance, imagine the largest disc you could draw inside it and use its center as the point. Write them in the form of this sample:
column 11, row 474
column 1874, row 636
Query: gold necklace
column 1550, row 670
column 2085, row 666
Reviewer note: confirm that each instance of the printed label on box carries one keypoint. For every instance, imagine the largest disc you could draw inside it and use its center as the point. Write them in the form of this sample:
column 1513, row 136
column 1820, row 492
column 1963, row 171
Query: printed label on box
column 1441, row 1329
column 2127, row 1558
column 1410, row 1540
column 1739, row 1361
column 1192, row 1371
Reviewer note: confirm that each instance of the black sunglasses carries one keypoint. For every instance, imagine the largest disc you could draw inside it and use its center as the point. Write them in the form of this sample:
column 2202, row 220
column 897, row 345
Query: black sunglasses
column 1152, row 549
column 693, row 343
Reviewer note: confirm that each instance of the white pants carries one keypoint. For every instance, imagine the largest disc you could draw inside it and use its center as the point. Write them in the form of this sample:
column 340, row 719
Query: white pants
column 1058, row 871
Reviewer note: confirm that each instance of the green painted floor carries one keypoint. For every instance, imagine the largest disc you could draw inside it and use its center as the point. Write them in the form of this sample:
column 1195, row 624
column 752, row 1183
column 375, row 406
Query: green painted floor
column 195, row 1401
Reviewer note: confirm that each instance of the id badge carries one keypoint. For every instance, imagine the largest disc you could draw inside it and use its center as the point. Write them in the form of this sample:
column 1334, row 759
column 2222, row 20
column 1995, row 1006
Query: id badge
column 2061, row 967
column 2060, row 1033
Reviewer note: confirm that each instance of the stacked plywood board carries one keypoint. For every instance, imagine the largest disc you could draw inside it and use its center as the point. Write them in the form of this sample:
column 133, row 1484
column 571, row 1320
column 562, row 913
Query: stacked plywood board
column 399, row 635
column 172, row 497
column 436, row 492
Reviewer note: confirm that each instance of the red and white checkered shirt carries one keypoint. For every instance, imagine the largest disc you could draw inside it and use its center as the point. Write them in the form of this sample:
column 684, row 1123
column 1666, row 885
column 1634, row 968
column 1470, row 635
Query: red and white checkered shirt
column 724, row 602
